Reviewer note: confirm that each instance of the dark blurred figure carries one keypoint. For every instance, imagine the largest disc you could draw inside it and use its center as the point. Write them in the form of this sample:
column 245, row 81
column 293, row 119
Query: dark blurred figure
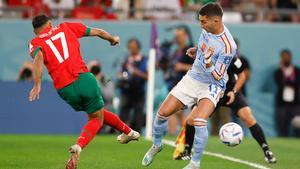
column 132, row 81
column 246, row 66
column 106, row 85
column 26, row 72
column 284, row 5
column 287, row 101
column 175, row 66
column 60, row 8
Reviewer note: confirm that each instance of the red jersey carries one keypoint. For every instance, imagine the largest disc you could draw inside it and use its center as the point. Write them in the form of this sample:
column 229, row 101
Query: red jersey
column 61, row 52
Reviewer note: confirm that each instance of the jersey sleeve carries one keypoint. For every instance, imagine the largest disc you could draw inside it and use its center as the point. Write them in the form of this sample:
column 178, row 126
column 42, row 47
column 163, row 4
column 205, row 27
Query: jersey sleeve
column 34, row 47
column 237, row 65
column 218, row 69
column 78, row 29
column 245, row 62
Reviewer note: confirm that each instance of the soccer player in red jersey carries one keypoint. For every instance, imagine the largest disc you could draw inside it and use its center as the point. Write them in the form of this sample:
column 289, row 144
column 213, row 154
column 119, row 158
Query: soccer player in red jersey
column 58, row 48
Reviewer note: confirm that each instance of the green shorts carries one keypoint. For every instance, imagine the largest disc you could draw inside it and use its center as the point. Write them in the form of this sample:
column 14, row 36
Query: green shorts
column 83, row 94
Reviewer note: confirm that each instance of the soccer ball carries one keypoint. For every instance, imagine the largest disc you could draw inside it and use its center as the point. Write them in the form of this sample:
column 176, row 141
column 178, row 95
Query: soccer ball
column 231, row 134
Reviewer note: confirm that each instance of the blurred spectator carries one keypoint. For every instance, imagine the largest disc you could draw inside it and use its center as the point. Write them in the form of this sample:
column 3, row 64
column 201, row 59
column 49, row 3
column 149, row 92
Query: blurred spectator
column 162, row 9
column 106, row 85
column 175, row 66
column 1, row 6
column 87, row 10
column 287, row 101
column 108, row 9
column 284, row 5
column 251, row 9
column 132, row 81
column 196, row 4
column 129, row 8
column 123, row 6
column 96, row 9
column 32, row 7
column 60, row 8
column 26, row 72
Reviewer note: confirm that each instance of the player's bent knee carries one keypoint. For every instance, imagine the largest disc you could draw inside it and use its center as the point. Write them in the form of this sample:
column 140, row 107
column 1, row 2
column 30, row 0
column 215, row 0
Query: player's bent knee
column 162, row 114
column 96, row 115
column 162, row 117
column 250, row 122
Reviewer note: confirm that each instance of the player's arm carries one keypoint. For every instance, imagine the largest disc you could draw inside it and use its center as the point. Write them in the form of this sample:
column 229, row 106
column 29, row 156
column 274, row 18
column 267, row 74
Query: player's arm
column 191, row 52
column 238, row 68
column 37, row 76
column 114, row 40
column 240, row 81
column 237, row 87
column 140, row 74
column 182, row 67
column 218, row 69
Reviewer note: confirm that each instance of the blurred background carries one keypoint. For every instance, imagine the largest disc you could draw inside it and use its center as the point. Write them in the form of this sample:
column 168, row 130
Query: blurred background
column 267, row 31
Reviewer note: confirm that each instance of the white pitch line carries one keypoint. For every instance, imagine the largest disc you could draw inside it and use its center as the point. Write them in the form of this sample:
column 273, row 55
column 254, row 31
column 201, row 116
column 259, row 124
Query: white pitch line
column 255, row 165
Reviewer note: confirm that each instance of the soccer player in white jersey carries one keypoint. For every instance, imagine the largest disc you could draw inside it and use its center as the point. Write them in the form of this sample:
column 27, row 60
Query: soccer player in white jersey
column 203, row 84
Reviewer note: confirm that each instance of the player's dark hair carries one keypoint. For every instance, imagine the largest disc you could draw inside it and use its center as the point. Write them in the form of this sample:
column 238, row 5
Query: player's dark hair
column 136, row 41
column 211, row 9
column 95, row 70
column 287, row 51
column 40, row 20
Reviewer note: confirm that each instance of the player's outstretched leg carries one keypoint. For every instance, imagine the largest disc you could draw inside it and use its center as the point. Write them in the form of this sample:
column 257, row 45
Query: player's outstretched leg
column 200, row 140
column 88, row 133
column 115, row 122
column 170, row 106
column 245, row 114
column 159, row 126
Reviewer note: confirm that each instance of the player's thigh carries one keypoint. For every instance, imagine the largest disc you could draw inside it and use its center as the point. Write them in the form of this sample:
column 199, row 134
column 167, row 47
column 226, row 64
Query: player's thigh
column 70, row 95
column 170, row 106
column 90, row 93
column 203, row 110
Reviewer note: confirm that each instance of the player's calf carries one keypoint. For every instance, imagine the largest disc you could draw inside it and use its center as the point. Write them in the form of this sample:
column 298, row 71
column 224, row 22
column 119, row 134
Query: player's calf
column 200, row 140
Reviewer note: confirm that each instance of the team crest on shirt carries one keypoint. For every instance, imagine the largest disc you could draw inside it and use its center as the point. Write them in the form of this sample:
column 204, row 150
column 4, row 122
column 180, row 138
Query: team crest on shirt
column 227, row 59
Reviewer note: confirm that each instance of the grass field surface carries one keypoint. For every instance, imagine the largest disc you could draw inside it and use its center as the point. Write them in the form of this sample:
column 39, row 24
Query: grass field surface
column 50, row 152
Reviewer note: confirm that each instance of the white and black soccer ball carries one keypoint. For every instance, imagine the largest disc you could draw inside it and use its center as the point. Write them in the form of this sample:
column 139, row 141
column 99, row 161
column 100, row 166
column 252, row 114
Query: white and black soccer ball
column 231, row 134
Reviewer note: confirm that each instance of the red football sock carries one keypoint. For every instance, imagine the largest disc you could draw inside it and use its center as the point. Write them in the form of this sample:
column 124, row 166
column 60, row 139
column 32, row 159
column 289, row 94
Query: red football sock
column 114, row 121
column 88, row 132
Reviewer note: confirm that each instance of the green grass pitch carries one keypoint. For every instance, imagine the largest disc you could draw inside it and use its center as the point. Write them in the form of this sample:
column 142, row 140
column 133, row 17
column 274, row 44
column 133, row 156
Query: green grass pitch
column 50, row 152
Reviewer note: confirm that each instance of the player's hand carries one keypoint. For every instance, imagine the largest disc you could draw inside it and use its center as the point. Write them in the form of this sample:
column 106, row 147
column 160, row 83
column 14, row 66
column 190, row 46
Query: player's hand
column 231, row 96
column 35, row 93
column 209, row 53
column 115, row 40
column 191, row 52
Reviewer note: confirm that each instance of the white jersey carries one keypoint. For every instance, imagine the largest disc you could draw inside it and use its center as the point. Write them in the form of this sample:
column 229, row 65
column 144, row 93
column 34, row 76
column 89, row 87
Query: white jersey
column 224, row 49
